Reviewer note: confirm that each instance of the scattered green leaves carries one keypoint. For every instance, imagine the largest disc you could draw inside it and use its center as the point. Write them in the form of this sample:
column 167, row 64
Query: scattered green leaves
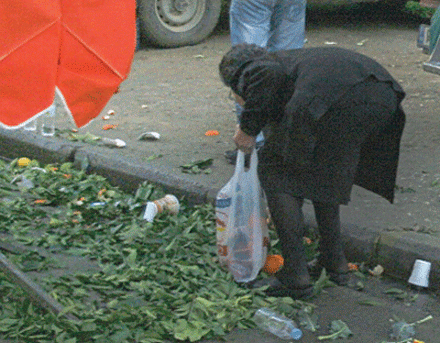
column 359, row 286
column 86, row 138
column 154, row 157
column 415, row 8
column 308, row 318
column 128, row 280
column 370, row 302
column 400, row 294
column 338, row 329
column 402, row 331
column 322, row 282
column 197, row 167
column 404, row 189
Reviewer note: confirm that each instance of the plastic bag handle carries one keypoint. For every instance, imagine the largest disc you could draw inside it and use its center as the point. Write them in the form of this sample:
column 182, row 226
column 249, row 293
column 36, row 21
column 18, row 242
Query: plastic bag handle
column 239, row 169
column 240, row 164
column 254, row 162
column 239, row 172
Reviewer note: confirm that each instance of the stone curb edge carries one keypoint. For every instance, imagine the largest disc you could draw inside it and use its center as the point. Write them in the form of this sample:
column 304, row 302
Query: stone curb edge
column 395, row 251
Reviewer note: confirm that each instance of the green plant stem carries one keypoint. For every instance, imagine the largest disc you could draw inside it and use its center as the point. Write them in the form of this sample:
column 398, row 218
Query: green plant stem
column 423, row 320
column 336, row 334
column 412, row 324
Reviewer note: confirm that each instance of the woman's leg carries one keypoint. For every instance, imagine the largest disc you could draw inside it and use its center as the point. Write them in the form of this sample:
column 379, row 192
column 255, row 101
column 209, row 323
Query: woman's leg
column 286, row 213
column 332, row 256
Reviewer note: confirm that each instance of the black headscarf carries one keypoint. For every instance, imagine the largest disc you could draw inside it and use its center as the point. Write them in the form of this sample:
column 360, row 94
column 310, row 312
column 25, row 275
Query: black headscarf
column 235, row 61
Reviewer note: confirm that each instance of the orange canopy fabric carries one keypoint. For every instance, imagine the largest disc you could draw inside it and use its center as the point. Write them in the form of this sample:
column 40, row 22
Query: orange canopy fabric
column 84, row 48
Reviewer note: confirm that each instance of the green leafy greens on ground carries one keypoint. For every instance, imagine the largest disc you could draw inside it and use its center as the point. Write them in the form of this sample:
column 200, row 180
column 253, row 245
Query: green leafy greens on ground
column 127, row 280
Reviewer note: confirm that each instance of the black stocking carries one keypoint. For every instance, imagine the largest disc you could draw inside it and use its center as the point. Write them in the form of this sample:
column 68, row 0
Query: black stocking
column 286, row 213
column 331, row 249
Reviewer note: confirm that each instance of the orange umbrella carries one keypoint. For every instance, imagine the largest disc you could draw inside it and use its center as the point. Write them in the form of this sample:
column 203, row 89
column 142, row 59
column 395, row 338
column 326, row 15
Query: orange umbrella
column 82, row 48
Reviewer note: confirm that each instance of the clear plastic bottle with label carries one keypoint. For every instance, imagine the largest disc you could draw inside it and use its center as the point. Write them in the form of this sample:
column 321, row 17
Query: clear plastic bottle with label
column 223, row 203
column 277, row 324
column 48, row 122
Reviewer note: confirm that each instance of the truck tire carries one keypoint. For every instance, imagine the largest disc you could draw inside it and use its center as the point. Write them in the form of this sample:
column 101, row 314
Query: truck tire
column 174, row 23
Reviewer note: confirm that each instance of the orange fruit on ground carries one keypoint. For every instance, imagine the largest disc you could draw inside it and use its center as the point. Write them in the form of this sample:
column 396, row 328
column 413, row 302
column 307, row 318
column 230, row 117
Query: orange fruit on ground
column 273, row 264
column 212, row 133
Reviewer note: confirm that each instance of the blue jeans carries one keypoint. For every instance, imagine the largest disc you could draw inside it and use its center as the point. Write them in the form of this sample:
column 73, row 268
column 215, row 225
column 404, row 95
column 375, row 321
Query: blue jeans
column 273, row 24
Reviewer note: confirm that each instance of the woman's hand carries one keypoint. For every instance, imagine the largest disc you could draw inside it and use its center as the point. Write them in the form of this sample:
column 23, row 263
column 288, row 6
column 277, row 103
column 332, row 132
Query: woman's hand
column 243, row 141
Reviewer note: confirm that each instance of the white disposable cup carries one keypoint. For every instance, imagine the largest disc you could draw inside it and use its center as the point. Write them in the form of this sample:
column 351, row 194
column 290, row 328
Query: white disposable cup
column 420, row 273
column 169, row 202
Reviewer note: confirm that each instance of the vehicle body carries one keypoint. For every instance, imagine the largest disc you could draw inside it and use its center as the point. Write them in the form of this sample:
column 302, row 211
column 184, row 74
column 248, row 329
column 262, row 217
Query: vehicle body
column 429, row 38
column 174, row 23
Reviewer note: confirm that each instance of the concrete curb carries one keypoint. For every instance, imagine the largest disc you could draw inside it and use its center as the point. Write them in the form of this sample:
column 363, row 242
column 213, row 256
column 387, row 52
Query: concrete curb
column 120, row 171
column 20, row 143
column 128, row 175
column 395, row 251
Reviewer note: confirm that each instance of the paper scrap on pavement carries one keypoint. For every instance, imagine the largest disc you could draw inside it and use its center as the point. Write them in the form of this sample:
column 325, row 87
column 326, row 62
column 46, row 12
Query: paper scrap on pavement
column 153, row 136
column 118, row 143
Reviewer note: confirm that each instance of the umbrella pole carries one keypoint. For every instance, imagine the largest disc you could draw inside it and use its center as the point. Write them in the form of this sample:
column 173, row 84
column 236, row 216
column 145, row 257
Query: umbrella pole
column 35, row 292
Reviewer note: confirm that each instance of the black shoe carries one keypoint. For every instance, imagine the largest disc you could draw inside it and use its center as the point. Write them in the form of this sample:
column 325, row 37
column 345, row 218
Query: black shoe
column 277, row 289
column 231, row 156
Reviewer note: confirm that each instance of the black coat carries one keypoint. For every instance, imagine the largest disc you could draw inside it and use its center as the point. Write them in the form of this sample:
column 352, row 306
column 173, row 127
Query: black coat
column 293, row 93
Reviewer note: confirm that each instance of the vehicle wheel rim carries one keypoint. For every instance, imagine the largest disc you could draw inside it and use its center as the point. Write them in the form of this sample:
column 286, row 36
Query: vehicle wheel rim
column 180, row 15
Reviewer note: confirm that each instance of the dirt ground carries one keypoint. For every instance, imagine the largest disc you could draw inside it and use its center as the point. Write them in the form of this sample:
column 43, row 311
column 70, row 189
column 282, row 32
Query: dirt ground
column 177, row 93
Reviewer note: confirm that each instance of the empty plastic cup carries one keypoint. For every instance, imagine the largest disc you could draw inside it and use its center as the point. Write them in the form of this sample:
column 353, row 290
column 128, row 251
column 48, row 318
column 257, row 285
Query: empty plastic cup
column 420, row 273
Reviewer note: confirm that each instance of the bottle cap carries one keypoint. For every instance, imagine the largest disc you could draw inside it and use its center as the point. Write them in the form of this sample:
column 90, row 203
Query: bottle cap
column 296, row 333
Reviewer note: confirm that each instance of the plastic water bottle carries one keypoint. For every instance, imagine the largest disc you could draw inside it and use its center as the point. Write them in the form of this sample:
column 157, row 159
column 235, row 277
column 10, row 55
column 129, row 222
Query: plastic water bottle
column 277, row 324
column 48, row 122
column 31, row 125
column 222, row 212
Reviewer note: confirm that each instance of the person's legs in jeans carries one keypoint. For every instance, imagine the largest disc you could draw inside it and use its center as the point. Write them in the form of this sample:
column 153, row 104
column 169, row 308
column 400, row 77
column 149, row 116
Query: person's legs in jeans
column 287, row 29
column 273, row 24
column 250, row 21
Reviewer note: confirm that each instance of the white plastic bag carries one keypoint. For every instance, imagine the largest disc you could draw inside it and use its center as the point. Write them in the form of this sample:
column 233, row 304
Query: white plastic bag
column 242, row 234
